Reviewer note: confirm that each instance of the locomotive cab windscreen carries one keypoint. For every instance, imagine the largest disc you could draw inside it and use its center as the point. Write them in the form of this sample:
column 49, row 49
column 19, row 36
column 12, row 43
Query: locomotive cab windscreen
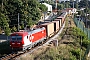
column 16, row 38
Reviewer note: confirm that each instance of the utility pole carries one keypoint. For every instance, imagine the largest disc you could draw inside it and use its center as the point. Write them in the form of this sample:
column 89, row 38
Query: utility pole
column 44, row 15
column 73, row 8
column 18, row 21
column 2, row 5
column 80, row 47
column 56, row 7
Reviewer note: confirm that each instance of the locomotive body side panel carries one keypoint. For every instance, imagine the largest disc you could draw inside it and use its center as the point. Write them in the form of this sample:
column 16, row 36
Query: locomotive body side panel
column 38, row 35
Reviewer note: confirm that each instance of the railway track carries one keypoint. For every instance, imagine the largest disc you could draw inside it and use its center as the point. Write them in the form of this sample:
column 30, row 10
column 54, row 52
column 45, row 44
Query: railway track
column 15, row 55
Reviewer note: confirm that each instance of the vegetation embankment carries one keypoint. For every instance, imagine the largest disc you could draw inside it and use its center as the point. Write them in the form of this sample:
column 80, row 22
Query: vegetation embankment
column 72, row 45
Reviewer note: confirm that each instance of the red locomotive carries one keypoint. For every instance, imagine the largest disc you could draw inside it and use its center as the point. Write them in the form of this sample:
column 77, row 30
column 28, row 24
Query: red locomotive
column 27, row 39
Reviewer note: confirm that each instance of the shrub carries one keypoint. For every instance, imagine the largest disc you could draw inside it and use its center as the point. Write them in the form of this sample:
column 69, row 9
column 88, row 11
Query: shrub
column 76, row 52
column 85, row 43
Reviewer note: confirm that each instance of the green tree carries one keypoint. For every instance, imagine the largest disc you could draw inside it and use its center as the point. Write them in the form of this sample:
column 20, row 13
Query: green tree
column 84, row 3
column 60, row 6
column 76, row 5
column 67, row 5
column 33, row 11
column 14, row 29
column 4, row 24
column 26, row 8
column 3, row 21
column 86, row 10
column 43, row 8
column 13, row 7
column 7, row 31
column 23, row 25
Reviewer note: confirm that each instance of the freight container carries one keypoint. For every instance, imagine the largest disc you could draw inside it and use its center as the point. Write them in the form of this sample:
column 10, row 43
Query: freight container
column 60, row 22
column 56, row 25
column 62, row 18
column 42, row 22
column 49, row 28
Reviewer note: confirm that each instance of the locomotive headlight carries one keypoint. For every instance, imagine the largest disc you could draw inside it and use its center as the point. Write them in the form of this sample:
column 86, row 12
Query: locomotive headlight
column 13, row 43
column 10, row 45
column 18, row 43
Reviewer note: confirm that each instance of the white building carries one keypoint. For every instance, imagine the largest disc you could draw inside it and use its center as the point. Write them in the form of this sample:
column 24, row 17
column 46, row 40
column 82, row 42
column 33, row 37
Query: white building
column 48, row 6
column 71, row 10
column 74, row 10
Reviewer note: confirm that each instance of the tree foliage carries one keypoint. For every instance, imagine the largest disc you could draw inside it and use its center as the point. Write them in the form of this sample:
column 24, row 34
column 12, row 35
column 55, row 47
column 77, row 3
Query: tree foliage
column 60, row 6
column 67, row 5
column 29, row 11
column 14, row 29
column 7, row 31
column 3, row 21
column 43, row 8
column 4, row 24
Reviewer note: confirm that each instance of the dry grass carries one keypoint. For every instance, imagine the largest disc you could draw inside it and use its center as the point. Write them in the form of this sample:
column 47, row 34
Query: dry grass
column 34, row 54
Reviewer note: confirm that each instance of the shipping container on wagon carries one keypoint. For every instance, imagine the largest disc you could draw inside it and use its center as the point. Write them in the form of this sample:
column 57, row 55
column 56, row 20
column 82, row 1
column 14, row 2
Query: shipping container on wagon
column 62, row 18
column 39, row 23
column 63, row 14
column 60, row 22
column 56, row 25
column 49, row 28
